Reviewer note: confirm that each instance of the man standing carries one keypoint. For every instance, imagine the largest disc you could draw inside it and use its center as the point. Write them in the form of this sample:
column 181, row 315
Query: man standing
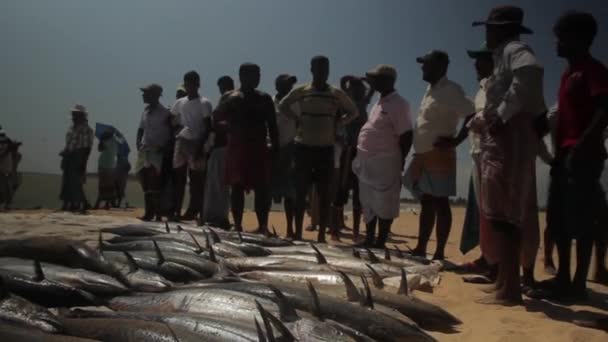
column 384, row 143
column 431, row 176
column 193, row 114
column 576, row 199
column 75, row 155
column 514, row 101
column 216, row 209
column 153, row 138
column 355, row 88
column 283, row 187
column 323, row 108
column 250, row 117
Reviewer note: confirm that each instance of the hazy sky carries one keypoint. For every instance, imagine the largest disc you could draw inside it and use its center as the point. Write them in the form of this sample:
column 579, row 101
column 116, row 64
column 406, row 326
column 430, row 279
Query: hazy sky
column 61, row 52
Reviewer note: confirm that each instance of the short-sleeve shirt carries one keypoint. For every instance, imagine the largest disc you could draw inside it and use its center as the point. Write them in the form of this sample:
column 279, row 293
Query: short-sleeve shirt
column 442, row 107
column 156, row 124
column 320, row 111
column 581, row 84
column 388, row 119
column 191, row 114
column 286, row 126
column 77, row 137
column 247, row 115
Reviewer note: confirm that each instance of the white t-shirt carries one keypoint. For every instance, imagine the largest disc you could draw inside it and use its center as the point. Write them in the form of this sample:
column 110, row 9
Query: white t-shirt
column 191, row 115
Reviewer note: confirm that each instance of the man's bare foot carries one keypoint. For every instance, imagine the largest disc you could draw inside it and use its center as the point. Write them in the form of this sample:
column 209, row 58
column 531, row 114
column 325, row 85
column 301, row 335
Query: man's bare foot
column 437, row 256
column 490, row 288
column 419, row 252
column 496, row 299
column 550, row 269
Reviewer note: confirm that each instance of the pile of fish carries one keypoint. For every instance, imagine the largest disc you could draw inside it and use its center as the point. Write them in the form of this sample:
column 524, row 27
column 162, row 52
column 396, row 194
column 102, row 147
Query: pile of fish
column 154, row 283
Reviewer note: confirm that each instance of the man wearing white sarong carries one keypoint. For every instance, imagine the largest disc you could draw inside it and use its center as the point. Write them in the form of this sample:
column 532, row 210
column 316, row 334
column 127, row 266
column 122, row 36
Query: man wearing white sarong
column 384, row 143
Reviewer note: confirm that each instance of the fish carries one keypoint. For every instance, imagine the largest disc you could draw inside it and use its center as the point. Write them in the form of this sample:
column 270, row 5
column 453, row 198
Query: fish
column 95, row 283
column 21, row 312
column 45, row 292
column 126, row 330
column 14, row 333
column 135, row 230
column 60, row 251
column 142, row 280
column 274, row 263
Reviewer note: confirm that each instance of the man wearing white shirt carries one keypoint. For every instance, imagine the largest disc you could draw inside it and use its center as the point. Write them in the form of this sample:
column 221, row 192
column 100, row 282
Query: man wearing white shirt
column 431, row 176
column 193, row 114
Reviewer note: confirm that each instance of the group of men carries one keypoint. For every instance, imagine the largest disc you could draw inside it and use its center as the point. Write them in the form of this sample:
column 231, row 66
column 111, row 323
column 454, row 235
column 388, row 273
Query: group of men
column 318, row 139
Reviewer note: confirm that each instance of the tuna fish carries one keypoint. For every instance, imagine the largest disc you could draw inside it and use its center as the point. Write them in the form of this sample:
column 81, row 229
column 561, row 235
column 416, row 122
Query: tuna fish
column 142, row 280
column 13, row 333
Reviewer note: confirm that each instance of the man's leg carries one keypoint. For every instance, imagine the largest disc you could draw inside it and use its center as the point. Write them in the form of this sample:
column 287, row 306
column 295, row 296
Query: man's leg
column 196, row 194
column 427, row 222
column 145, row 185
column 288, row 205
column 549, row 245
column 237, row 203
column 324, row 169
column 584, row 247
column 262, row 206
column 385, row 228
column 181, row 176
column 303, row 179
column 444, row 225
column 370, row 233
column 356, row 208
column 601, row 273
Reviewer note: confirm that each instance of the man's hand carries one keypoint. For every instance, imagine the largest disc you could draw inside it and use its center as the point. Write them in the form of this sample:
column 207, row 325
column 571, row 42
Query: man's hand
column 446, row 142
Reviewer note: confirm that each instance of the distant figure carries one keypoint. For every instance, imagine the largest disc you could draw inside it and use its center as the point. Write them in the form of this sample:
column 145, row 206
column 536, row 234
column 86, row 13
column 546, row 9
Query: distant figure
column 75, row 155
column 347, row 181
column 250, row 116
column 106, row 169
column 9, row 161
column 323, row 109
column 509, row 142
column 431, row 176
column 283, row 182
column 384, row 143
column 193, row 113
column 153, row 137
column 576, row 202
column 123, row 167
column 217, row 207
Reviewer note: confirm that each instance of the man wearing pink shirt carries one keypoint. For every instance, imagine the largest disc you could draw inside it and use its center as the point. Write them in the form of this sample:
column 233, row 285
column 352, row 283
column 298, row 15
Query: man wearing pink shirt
column 384, row 143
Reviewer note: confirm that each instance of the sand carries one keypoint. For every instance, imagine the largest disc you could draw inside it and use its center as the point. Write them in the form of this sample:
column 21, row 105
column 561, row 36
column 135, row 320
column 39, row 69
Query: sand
column 535, row 321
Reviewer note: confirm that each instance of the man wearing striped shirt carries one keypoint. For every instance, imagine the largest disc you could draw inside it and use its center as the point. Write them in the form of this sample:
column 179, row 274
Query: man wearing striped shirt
column 323, row 108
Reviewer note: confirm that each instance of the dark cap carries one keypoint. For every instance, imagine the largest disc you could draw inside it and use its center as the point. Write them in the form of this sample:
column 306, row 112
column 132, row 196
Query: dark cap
column 506, row 15
column 435, row 55
column 153, row 89
column 286, row 78
column 481, row 52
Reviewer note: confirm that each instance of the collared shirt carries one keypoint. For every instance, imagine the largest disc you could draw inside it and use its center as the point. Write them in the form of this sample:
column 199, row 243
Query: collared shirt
column 156, row 124
column 320, row 113
column 480, row 103
column 80, row 136
column 191, row 116
column 286, row 126
column 581, row 84
column 517, row 83
column 442, row 106
column 388, row 119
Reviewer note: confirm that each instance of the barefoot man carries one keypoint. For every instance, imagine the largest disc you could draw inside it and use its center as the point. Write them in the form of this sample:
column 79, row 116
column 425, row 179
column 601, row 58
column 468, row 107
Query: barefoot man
column 431, row 176
column 250, row 117
column 384, row 143
column 514, row 101
column 323, row 108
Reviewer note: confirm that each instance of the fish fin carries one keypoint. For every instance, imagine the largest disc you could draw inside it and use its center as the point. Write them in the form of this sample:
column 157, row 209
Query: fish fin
column 314, row 300
column 286, row 310
column 240, row 237
column 39, row 275
column 159, row 253
column 167, row 227
column 376, row 278
column 261, row 336
column 399, row 252
column 356, row 253
column 214, row 235
column 199, row 248
column 265, row 320
column 100, row 242
column 351, row 290
column 387, row 254
column 274, row 232
column 285, row 333
column 210, row 248
column 320, row 257
column 132, row 264
column 367, row 300
column 403, row 288
column 372, row 257
column 223, row 272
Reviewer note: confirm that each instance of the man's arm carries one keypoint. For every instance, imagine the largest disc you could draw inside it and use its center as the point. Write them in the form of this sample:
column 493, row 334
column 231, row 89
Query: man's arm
column 405, row 142
column 348, row 107
column 140, row 136
column 453, row 142
column 285, row 107
column 527, row 84
column 271, row 122
column 594, row 132
column 344, row 82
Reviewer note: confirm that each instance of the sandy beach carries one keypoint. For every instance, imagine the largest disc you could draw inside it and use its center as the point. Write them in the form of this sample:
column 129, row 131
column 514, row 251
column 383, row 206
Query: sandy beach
column 536, row 321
